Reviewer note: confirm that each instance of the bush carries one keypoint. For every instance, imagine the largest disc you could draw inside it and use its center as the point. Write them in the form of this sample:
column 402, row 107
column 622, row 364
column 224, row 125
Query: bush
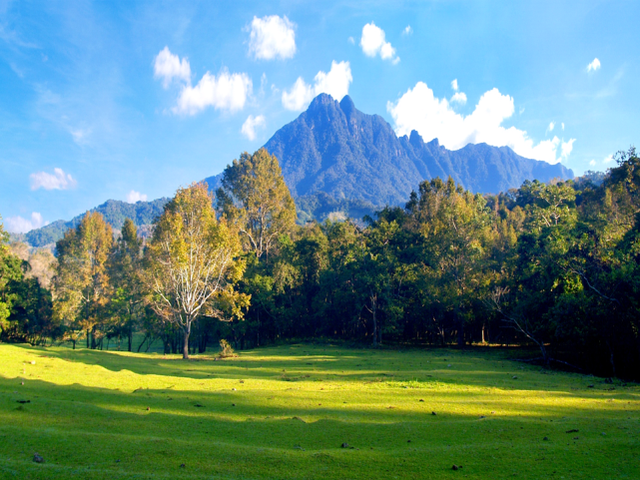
column 226, row 350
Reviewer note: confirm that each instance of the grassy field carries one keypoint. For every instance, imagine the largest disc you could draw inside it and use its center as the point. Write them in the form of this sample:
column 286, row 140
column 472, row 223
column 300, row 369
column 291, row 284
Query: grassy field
column 285, row 413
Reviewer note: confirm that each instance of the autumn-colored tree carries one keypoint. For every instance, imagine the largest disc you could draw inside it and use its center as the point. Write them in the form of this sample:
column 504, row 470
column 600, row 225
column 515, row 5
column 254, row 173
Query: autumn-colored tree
column 255, row 198
column 128, row 289
column 81, row 284
column 192, row 263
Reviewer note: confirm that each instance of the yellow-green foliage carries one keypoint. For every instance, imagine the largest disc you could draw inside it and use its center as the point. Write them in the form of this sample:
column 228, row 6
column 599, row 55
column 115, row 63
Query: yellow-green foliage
column 285, row 413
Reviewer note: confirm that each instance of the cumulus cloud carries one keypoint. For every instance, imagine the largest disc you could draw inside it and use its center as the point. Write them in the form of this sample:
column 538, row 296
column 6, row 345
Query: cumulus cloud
column 418, row 109
column 133, row 197
column 407, row 30
column 168, row 66
column 335, row 83
column 250, row 125
column 459, row 97
column 226, row 91
column 592, row 163
column 56, row 181
column 272, row 37
column 18, row 224
column 373, row 43
column 562, row 124
column 551, row 126
column 566, row 148
column 593, row 66
column 608, row 159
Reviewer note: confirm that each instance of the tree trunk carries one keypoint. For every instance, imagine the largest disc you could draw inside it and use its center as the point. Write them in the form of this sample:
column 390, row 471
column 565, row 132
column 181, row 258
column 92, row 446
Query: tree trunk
column 185, row 342
column 374, row 312
column 460, row 322
column 545, row 355
column 130, row 332
column 143, row 340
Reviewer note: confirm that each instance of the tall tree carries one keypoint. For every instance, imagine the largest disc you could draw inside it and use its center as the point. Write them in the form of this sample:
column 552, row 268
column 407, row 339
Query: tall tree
column 193, row 263
column 453, row 224
column 81, row 284
column 10, row 270
column 128, row 292
column 256, row 199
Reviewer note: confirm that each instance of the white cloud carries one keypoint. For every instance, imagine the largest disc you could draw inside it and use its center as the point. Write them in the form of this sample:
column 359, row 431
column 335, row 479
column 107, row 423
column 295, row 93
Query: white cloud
column 169, row 66
column 454, row 84
column 272, row 37
column 459, row 97
column 608, row 159
column 56, row 181
column 224, row 92
column 551, row 126
column 351, row 40
column 335, row 83
column 592, row 163
column 298, row 97
column 250, row 125
column 133, row 197
column 566, row 148
column 562, row 126
column 407, row 30
column 373, row 43
column 593, row 66
column 418, row 109
column 18, row 224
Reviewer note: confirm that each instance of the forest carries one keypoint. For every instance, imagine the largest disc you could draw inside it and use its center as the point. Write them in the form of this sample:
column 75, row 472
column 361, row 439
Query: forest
column 554, row 267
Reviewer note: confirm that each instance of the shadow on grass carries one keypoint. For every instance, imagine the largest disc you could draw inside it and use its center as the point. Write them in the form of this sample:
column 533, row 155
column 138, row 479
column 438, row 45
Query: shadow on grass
column 227, row 432
column 482, row 368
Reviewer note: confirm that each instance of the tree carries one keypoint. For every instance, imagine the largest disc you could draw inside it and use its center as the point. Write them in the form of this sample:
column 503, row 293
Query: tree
column 81, row 284
column 454, row 225
column 255, row 198
column 193, row 263
column 10, row 270
column 124, row 267
column 539, row 276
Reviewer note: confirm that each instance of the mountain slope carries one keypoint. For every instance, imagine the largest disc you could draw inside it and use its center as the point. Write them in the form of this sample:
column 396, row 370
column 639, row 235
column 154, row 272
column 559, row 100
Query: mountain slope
column 335, row 158
column 336, row 149
column 114, row 211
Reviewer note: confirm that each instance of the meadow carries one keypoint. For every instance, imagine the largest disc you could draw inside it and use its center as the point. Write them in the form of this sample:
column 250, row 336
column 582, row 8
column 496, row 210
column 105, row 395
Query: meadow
column 310, row 412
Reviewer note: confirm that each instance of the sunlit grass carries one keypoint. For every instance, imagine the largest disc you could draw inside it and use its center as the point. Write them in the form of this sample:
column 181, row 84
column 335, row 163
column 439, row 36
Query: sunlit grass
column 285, row 412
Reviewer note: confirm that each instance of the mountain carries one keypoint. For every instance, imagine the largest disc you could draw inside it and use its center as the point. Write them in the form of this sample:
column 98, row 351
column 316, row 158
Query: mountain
column 336, row 149
column 114, row 212
column 338, row 161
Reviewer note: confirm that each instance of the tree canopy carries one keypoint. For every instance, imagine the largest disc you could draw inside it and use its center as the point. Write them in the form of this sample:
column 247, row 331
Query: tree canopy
column 193, row 263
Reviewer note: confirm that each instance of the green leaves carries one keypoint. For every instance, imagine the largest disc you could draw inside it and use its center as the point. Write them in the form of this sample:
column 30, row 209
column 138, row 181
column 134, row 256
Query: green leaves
column 256, row 201
column 193, row 263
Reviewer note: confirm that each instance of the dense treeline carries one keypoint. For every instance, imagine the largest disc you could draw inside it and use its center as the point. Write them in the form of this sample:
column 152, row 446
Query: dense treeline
column 555, row 266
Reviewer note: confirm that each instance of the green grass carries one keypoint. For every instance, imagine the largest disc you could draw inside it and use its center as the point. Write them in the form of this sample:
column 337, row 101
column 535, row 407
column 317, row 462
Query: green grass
column 284, row 412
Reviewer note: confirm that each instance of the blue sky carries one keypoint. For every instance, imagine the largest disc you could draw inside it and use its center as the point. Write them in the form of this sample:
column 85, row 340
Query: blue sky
column 131, row 100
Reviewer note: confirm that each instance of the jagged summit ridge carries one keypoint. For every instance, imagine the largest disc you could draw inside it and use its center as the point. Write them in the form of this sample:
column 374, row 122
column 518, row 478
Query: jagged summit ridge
column 334, row 148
